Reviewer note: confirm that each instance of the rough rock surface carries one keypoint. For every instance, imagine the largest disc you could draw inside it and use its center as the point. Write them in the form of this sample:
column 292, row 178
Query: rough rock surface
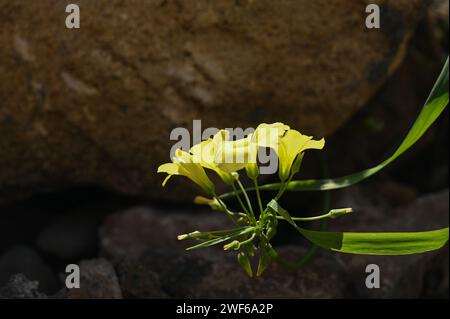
column 168, row 274
column 27, row 261
column 98, row 280
column 96, row 105
column 71, row 236
column 133, row 231
column 19, row 287
column 151, row 264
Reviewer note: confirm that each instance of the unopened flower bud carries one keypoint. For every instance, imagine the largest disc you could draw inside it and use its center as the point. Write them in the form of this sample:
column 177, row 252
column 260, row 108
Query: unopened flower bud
column 194, row 234
column 233, row 245
column 339, row 212
column 264, row 261
column 244, row 261
column 213, row 203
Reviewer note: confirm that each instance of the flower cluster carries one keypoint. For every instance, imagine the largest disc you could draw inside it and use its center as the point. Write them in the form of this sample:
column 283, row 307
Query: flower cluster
column 226, row 158
column 254, row 229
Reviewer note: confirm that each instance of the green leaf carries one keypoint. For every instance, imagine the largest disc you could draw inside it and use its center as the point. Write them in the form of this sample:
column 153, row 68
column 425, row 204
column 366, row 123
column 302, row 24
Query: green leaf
column 434, row 106
column 370, row 243
column 273, row 205
column 379, row 243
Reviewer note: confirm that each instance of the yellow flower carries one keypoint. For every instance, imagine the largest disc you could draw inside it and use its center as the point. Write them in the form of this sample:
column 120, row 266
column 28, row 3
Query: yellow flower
column 184, row 165
column 288, row 144
column 232, row 156
column 223, row 156
column 204, row 153
column 268, row 135
column 226, row 157
column 291, row 147
column 251, row 168
column 265, row 135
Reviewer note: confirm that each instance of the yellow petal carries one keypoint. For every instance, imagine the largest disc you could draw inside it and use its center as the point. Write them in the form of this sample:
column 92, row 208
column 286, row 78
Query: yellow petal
column 252, row 168
column 166, row 179
column 183, row 165
column 169, row 168
column 204, row 154
column 267, row 135
column 232, row 156
column 222, row 135
column 313, row 144
column 292, row 144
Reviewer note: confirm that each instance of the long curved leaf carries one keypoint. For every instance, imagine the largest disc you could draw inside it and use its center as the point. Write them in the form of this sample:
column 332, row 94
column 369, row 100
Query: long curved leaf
column 434, row 106
column 369, row 243
column 379, row 243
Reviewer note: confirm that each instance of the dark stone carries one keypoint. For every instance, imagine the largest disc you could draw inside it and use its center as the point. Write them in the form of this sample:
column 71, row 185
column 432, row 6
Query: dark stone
column 135, row 230
column 150, row 263
column 100, row 110
column 168, row 274
column 24, row 259
column 19, row 287
column 71, row 236
column 98, row 280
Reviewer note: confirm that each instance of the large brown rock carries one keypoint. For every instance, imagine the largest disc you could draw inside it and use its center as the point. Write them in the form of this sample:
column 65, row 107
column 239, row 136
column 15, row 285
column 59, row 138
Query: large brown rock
column 96, row 105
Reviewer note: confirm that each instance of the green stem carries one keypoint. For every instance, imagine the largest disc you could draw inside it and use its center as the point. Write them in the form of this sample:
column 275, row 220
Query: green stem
column 225, row 210
column 323, row 225
column 283, row 188
column 280, row 191
column 231, row 230
column 249, row 240
column 239, row 199
column 310, row 219
column 258, row 195
column 312, row 250
column 247, row 199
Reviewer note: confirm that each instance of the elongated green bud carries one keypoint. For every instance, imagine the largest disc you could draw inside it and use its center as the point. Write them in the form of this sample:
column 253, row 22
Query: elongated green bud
column 195, row 235
column 233, row 245
column 334, row 213
column 190, row 235
column 244, row 261
column 213, row 203
column 264, row 261
column 252, row 170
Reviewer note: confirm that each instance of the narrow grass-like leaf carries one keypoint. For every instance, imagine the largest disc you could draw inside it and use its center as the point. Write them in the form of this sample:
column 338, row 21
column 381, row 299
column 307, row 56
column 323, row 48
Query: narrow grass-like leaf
column 379, row 243
column 435, row 104
column 273, row 204
column 370, row 243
